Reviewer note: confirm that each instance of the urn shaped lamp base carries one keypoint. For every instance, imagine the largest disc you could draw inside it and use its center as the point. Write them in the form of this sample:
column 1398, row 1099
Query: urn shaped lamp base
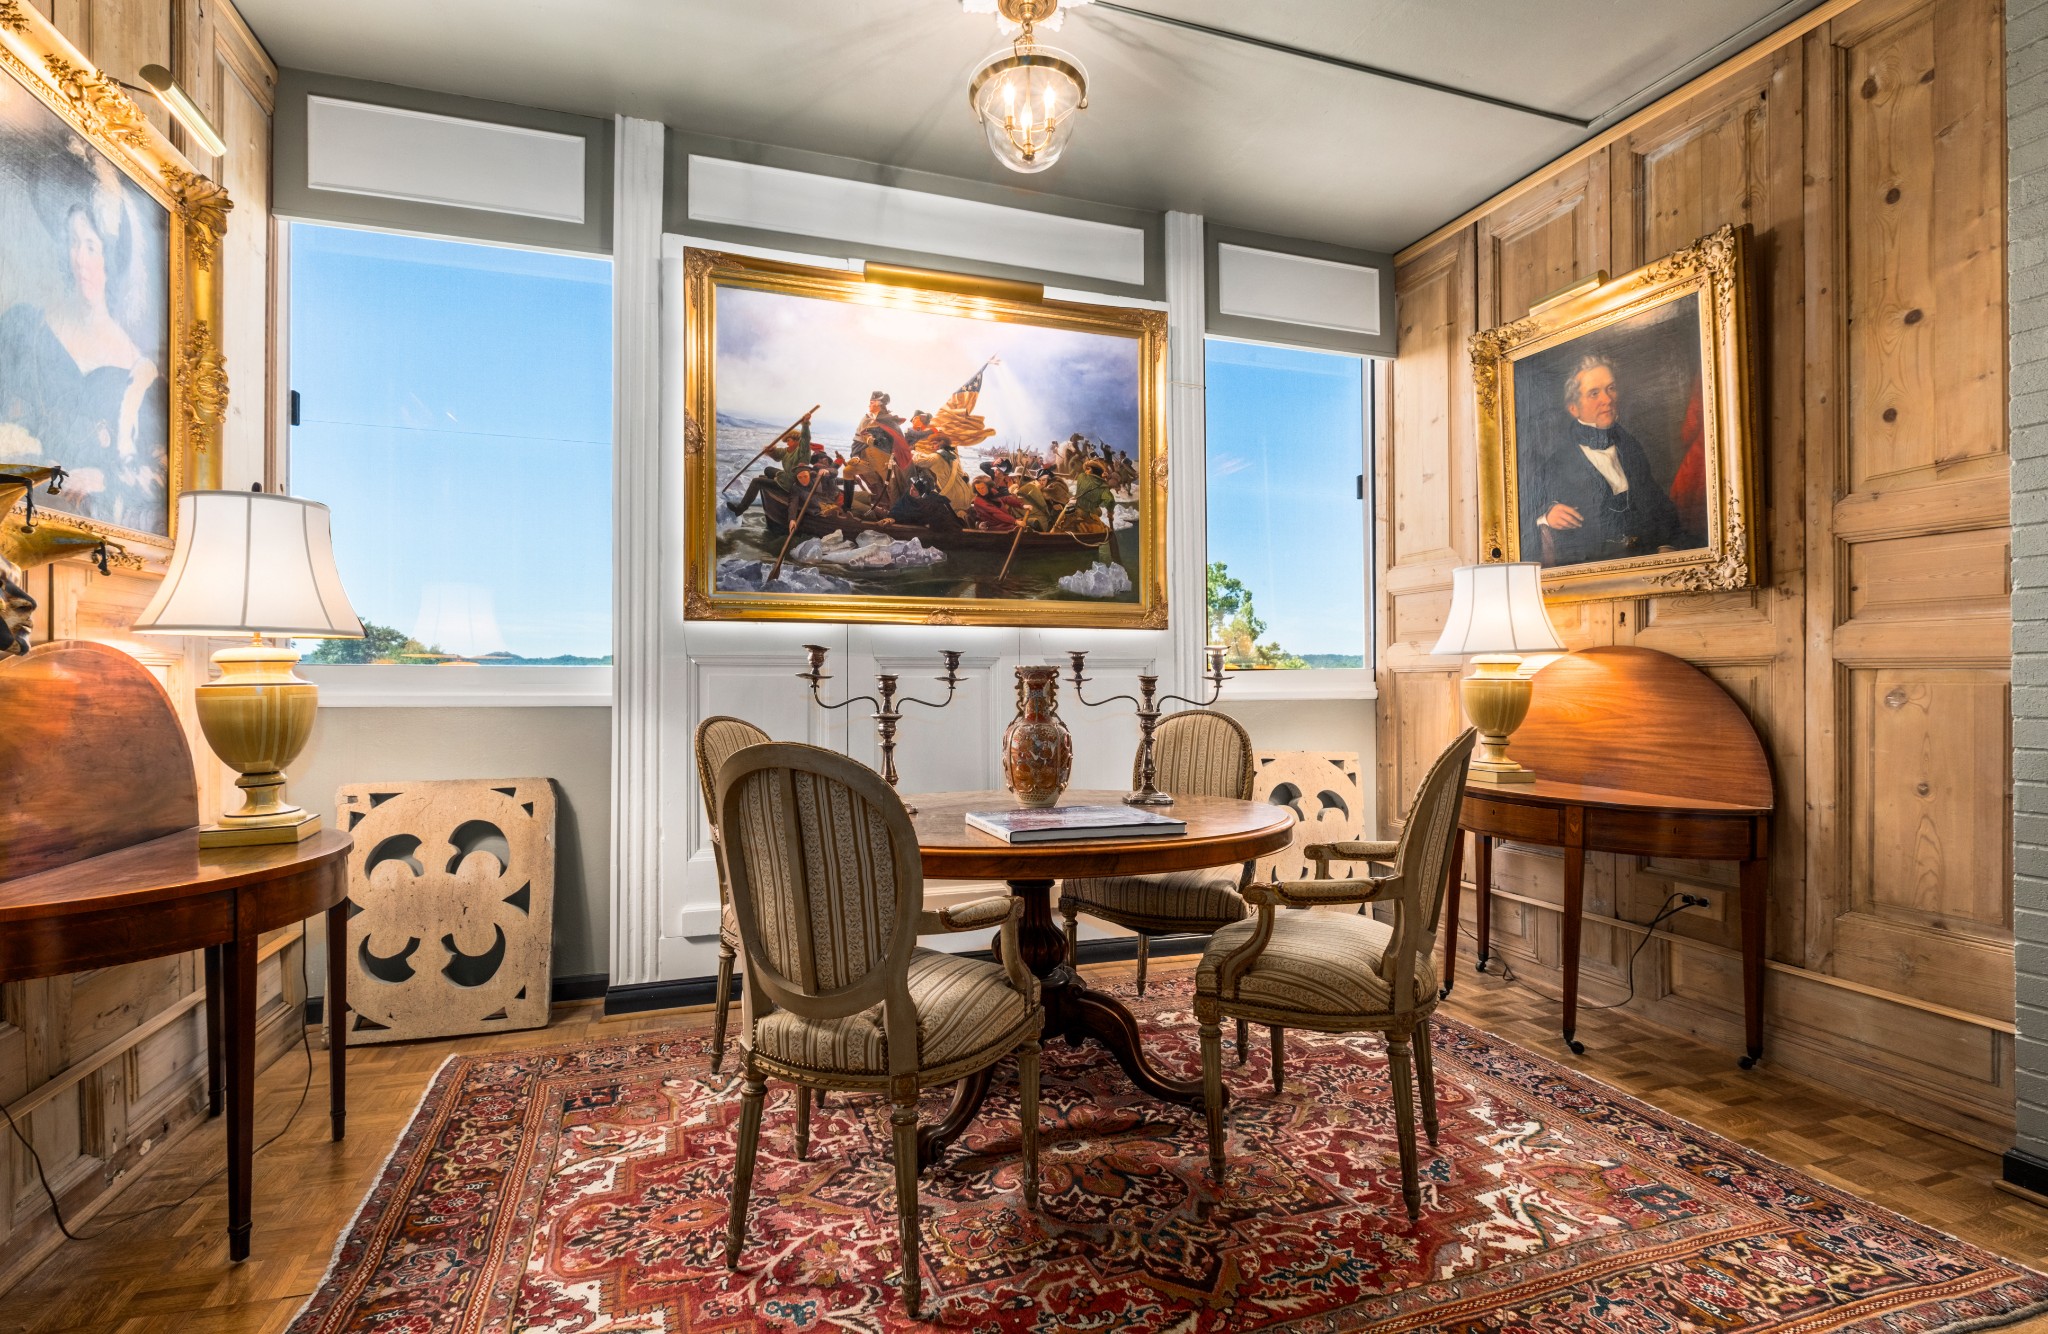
column 257, row 717
column 1496, row 698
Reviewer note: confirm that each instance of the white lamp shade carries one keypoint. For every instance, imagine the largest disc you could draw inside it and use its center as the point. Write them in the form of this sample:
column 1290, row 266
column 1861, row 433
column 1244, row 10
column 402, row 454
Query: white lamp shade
column 1498, row 609
column 250, row 563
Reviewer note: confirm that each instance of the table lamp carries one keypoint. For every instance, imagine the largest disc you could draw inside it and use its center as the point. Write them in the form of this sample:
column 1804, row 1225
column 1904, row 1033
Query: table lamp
column 253, row 564
column 1497, row 613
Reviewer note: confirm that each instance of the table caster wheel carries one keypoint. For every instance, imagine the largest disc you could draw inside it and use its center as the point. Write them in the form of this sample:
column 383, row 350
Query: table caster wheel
column 1578, row 1048
column 1481, row 965
column 1748, row 1062
column 1443, row 993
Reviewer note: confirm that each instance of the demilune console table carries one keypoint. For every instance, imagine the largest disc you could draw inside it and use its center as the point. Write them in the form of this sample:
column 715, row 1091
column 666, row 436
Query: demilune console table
column 100, row 864
column 1635, row 752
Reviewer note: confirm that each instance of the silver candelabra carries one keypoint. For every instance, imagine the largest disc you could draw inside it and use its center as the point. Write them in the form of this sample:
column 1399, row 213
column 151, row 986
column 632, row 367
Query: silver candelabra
column 887, row 710
column 1149, row 712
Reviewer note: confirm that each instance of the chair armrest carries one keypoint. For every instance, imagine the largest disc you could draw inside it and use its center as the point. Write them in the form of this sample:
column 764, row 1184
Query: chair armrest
column 1312, row 893
column 1351, row 850
column 991, row 911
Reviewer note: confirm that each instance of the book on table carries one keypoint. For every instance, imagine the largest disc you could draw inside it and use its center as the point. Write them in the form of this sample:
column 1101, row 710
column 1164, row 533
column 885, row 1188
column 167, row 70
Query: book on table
column 1057, row 824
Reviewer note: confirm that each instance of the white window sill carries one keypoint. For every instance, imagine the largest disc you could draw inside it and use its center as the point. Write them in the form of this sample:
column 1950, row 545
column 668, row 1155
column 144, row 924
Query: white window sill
column 461, row 687
column 1308, row 683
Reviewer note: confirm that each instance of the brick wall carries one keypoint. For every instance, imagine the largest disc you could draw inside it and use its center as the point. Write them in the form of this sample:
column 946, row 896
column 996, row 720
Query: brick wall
column 2026, row 58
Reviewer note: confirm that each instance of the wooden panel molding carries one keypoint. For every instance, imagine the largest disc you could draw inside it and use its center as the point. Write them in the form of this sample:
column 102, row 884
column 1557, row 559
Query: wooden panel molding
column 1865, row 148
column 104, row 1069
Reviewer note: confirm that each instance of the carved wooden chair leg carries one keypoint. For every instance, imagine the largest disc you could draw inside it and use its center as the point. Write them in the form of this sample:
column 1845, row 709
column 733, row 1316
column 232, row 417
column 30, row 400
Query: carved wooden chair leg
column 751, row 1094
column 1425, row 1075
column 1144, row 958
column 903, row 1121
column 1400, row 1063
column 1279, row 1058
column 803, row 1123
column 1244, row 1038
column 1212, row 1090
column 726, row 954
column 1073, row 934
column 1027, row 1084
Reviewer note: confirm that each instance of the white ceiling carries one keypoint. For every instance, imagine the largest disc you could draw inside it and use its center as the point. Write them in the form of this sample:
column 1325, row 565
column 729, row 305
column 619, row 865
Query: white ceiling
column 1251, row 137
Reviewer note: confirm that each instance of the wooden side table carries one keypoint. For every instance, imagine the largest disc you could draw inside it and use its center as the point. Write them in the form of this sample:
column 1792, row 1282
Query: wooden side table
column 167, row 896
column 1640, row 753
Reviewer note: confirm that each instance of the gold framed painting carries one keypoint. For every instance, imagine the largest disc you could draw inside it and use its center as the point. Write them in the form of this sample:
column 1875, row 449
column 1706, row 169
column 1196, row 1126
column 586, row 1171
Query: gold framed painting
column 109, row 303
column 1617, row 441
column 870, row 451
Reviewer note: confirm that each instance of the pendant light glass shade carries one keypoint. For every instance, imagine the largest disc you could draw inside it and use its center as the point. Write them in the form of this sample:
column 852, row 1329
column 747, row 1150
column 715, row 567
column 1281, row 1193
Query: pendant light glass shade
column 1027, row 98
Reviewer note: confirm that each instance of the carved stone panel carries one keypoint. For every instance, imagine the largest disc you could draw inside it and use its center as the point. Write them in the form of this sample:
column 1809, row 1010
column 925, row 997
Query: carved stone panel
column 453, row 893
column 1322, row 788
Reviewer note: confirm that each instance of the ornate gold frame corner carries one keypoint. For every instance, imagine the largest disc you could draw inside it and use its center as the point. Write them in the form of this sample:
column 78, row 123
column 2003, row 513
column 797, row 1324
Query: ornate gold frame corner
column 704, row 271
column 40, row 58
column 1717, row 267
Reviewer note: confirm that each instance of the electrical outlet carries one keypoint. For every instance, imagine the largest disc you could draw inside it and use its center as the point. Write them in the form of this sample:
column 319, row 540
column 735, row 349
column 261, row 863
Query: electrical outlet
column 1699, row 903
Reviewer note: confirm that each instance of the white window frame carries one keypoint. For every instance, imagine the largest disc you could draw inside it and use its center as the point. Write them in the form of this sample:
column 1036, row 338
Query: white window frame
column 401, row 685
column 1313, row 682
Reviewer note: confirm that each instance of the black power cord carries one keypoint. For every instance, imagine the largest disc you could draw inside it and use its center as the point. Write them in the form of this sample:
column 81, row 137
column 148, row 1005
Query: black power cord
column 1675, row 904
column 108, row 1224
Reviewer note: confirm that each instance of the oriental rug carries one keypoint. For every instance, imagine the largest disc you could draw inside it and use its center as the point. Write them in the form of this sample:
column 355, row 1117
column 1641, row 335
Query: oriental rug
column 582, row 1190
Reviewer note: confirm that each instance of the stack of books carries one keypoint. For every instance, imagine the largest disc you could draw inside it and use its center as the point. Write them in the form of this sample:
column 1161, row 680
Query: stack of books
column 1061, row 824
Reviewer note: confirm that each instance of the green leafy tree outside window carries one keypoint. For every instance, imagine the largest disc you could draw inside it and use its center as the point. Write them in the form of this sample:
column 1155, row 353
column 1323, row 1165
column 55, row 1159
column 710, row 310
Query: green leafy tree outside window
column 380, row 643
column 1235, row 623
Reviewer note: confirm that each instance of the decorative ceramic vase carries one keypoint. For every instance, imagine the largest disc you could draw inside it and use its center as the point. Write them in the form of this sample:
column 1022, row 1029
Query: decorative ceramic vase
column 1038, row 751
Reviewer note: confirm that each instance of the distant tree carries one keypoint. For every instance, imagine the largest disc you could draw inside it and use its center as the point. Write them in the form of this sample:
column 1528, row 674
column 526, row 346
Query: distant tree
column 380, row 643
column 1235, row 623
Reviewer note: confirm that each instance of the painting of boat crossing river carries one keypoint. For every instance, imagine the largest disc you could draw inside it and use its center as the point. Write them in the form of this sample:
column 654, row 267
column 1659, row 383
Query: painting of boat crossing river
column 887, row 453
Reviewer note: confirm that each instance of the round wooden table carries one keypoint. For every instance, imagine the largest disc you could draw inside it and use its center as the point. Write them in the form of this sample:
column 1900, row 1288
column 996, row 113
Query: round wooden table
column 1221, row 832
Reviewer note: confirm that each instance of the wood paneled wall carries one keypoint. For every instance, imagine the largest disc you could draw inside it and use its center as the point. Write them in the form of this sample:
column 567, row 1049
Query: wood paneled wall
column 103, row 1068
column 1867, row 152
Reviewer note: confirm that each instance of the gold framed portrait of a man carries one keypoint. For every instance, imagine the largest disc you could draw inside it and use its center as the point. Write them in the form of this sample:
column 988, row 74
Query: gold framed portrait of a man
column 1617, row 445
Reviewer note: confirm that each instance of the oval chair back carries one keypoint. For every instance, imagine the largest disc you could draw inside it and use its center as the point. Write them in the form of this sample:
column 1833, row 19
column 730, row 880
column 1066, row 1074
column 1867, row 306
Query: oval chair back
column 719, row 738
column 1422, row 862
column 827, row 885
column 1200, row 753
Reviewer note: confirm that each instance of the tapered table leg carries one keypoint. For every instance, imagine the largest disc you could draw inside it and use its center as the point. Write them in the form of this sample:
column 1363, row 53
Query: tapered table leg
column 1482, row 891
column 337, row 1018
column 1573, row 924
column 215, row 1037
column 1756, row 879
column 238, row 970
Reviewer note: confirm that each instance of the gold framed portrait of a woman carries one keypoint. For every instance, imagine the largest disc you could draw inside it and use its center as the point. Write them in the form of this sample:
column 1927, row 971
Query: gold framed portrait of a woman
column 1617, row 445
column 110, row 360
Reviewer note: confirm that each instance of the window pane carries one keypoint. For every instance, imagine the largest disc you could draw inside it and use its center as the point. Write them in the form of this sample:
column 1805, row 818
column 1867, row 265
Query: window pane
column 1286, row 525
column 455, row 408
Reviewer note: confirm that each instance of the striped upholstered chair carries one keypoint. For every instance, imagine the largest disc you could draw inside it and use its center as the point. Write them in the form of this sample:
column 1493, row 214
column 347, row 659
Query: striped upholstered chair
column 1345, row 973
column 718, row 739
column 1196, row 753
column 828, row 891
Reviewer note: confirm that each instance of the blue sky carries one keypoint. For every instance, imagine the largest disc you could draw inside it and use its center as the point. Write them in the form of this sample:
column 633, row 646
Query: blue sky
column 1285, row 448
column 456, row 416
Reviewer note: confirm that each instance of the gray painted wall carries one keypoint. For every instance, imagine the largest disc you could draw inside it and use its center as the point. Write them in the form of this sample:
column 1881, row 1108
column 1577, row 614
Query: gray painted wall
column 2026, row 58
column 571, row 746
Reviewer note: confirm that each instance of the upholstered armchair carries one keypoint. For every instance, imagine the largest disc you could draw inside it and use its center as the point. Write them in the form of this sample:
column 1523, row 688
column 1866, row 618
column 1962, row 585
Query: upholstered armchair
column 718, row 739
column 1195, row 753
column 1343, row 973
column 828, row 893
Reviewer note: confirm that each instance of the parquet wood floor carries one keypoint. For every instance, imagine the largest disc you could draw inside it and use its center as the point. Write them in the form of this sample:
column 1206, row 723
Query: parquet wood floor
column 168, row 1272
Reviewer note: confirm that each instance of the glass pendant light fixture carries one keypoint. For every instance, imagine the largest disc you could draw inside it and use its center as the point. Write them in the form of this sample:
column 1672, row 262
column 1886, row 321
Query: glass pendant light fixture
column 1027, row 96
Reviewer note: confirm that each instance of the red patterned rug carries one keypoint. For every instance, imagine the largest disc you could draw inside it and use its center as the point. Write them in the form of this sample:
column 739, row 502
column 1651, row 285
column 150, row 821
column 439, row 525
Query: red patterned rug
column 582, row 1190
